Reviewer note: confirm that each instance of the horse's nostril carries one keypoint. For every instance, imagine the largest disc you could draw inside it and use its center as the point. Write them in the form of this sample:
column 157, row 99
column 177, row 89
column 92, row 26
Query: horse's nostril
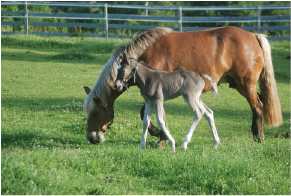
column 93, row 141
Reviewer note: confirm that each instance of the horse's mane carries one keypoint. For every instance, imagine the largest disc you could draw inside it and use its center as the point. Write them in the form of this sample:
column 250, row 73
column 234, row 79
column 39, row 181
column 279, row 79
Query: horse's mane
column 108, row 74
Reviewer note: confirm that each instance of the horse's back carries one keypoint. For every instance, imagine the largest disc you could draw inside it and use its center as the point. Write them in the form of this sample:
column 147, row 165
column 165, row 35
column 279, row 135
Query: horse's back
column 214, row 51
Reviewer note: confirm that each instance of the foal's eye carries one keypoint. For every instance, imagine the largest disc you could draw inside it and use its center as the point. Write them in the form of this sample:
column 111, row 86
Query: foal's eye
column 95, row 114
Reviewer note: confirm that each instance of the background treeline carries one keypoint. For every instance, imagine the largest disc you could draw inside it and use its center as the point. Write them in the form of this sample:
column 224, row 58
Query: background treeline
column 223, row 13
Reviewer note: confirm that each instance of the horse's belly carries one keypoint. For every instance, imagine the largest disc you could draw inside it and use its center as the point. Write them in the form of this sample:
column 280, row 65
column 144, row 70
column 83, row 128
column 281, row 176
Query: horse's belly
column 160, row 91
column 172, row 96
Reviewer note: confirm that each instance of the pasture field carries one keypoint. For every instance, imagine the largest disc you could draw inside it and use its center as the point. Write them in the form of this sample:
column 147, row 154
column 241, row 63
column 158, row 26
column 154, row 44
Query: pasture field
column 44, row 149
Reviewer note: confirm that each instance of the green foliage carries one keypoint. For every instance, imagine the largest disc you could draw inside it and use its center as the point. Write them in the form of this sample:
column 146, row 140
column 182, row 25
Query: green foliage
column 10, row 27
column 43, row 141
column 217, row 13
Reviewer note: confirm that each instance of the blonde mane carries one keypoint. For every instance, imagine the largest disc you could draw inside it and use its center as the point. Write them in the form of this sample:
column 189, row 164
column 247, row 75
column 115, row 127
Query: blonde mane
column 108, row 74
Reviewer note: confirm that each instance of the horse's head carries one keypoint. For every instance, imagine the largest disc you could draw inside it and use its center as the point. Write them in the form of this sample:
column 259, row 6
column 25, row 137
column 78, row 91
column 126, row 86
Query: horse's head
column 126, row 69
column 98, row 120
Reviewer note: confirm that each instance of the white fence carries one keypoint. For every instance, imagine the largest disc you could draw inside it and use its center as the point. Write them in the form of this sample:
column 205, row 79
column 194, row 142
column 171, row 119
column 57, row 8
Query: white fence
column 105, row 17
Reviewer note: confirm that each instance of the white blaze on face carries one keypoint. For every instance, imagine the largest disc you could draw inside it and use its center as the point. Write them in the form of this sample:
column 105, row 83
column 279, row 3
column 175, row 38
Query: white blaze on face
column 119, row 66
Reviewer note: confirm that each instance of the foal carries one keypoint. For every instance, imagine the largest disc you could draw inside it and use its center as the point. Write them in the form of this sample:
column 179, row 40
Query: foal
column 157, row 86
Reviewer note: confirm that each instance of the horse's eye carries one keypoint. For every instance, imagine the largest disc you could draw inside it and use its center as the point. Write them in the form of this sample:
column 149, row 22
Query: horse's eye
column 95, row 114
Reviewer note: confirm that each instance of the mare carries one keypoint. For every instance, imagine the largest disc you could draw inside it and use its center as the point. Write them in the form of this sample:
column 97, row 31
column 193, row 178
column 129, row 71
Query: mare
column 157, row 86
column 227, row 54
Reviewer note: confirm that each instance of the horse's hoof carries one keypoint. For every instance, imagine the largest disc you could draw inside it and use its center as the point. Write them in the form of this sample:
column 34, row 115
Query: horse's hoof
column 160, row 144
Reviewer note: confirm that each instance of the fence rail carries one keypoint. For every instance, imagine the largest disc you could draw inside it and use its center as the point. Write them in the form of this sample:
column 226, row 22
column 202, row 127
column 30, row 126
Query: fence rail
column 105, row 17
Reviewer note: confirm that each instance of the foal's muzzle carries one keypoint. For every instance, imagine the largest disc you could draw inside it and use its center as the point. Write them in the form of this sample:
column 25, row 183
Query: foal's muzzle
column 118, row 85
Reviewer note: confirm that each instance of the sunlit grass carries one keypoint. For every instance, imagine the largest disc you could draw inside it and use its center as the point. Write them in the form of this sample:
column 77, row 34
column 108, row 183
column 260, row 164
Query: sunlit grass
column 44, row 147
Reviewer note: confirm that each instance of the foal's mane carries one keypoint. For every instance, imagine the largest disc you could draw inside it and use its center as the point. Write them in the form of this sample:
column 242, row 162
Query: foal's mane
column 108, row 74
column 146, row 65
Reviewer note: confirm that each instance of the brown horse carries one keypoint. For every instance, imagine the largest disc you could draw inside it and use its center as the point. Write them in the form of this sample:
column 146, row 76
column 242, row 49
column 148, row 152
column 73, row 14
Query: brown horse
column 228, row 54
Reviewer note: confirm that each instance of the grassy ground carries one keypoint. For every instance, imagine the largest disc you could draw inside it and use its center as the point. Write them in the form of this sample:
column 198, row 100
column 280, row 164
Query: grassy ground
column 44, row 150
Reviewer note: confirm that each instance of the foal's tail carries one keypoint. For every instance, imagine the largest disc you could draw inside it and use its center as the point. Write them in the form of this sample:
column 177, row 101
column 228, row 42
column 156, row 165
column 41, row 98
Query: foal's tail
column 269, row 94
column 214, row 89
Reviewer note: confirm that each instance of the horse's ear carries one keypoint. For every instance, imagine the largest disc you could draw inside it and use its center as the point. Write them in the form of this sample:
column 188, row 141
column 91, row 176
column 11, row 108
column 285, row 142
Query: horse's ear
column 87, row 90
column 96, row 99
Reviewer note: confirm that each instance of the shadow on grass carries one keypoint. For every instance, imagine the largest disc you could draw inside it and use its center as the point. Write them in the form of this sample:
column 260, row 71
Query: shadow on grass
column 76, row 105
column 28, row 139
column 282, row 76
column 47, row 104
column 72, row 57
column 96, row 45
column 223, row 111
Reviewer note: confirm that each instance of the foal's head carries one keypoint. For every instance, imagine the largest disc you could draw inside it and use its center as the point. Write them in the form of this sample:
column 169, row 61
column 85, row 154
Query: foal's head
column 126, row 70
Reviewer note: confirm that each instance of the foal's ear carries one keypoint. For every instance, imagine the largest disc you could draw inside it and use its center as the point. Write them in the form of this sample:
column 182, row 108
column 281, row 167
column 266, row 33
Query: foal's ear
column 124, row 57
column 87, row 90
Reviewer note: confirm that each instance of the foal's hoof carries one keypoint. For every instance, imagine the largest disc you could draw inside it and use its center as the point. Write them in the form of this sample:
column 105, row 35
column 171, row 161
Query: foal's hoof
column 184, row 146
column 216, row 144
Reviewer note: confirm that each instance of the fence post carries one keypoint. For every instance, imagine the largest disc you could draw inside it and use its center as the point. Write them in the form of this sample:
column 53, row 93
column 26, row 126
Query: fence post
column 106, row 21
column 26, row 19
column 180, row 19
column 259, row 19
column 146, row 4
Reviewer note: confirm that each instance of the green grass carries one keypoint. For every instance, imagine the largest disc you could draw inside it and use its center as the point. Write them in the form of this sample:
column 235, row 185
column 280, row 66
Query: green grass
column 43, row 140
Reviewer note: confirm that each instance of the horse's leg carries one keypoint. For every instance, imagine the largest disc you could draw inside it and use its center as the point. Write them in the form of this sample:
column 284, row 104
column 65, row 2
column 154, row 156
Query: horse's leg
column 257, row 109
column 250, row 93
column 198, row 113
column 152, row 129
column 155, row 131
column 162, row 135
column 159, row 108
column 208, row 114
column 146, row 122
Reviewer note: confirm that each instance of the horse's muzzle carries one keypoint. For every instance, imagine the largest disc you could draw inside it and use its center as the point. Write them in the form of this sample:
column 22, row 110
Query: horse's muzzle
column 118, row 85
column 93, row 140
column 95, row 137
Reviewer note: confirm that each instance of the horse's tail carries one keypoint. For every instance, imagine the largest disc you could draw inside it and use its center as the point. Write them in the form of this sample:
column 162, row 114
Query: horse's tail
column 214, row 89
column 269, row 94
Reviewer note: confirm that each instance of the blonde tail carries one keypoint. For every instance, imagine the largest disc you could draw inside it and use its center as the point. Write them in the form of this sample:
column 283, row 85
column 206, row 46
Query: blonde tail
column 271, row 104
column 214, row 89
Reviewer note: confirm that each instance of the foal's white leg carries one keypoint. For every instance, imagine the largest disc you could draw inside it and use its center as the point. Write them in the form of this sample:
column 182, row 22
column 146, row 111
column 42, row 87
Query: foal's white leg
column 210, row 118
column 146, row 122
column 198, row 113
column 159, row 108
